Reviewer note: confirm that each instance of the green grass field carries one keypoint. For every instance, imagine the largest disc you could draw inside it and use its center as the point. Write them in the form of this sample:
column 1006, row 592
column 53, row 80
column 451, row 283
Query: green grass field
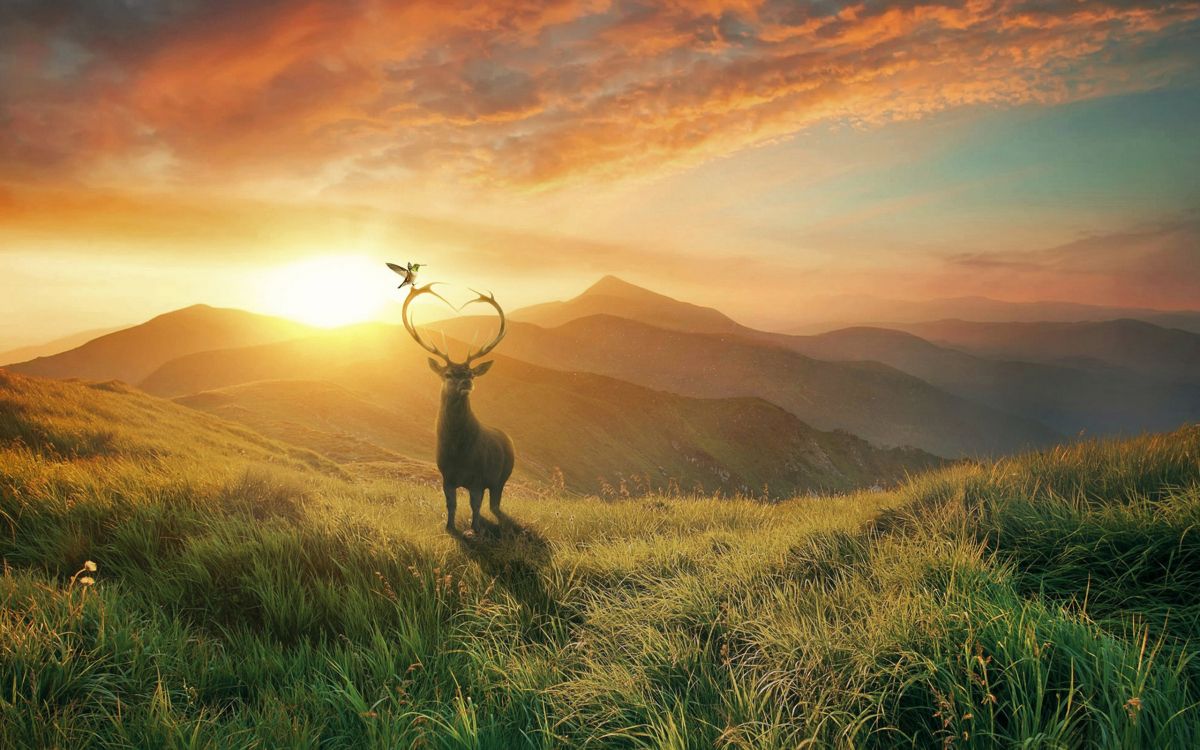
column 249, row 594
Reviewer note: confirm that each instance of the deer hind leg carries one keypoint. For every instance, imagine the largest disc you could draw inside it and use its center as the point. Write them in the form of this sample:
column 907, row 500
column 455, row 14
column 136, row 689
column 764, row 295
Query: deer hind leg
column 476, row 504
column 451, row 502
column 494, row 494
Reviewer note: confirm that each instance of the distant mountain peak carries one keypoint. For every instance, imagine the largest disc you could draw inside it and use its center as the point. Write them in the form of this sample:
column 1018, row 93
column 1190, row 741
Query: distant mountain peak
column 202, row 309
column 615, row 296
column 130, row 354
column 614, row 286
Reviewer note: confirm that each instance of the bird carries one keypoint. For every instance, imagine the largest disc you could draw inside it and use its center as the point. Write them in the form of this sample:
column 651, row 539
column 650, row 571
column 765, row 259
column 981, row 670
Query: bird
column 409, row 272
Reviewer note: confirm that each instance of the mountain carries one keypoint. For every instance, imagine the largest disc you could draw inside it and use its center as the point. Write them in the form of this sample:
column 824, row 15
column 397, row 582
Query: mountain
column 56, row 346
column 874, row 401
column 830, row 312
column 1068, row 395
column 133, row 353
column 1069, row 399
column 612, row 296
column 1131, row 345
column 325, row 355
column 369, row 396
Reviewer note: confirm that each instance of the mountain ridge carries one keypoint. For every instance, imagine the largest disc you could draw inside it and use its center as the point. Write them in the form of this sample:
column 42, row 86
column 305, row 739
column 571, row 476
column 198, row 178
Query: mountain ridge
column 1129, row 343
column 54, row 346
column 130, row 354
column 611, row 294
column 1071, row 395
column 893, row 397
column 870, row 399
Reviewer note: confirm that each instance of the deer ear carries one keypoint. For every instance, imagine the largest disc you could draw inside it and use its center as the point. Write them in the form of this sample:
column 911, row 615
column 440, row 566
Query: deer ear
column 481, row 369
column 436, row 367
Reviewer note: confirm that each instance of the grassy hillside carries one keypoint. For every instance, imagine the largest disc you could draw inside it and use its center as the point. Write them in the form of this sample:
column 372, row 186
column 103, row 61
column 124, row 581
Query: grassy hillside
column 373, row 391
column 246, row 595
column 131, row 354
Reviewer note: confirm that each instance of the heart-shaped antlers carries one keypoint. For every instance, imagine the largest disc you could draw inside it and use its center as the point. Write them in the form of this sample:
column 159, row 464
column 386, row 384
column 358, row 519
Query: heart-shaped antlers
column 432, row 348
column 491, row 300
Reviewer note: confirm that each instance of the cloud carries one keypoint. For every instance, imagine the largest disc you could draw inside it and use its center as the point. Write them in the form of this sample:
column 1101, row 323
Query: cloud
column 163, row 229
column 1154, row 266
column 523, row 94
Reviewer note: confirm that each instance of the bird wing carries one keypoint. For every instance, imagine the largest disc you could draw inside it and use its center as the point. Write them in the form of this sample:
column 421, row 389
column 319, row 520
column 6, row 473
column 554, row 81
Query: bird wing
column 398, row 269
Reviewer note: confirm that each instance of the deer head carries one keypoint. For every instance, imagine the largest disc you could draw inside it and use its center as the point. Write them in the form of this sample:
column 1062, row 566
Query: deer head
column 457, row 377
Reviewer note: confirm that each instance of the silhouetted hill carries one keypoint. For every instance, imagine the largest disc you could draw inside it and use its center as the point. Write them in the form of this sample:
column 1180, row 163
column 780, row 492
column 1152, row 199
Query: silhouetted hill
column 612, row 296
column 874, row 401
column 320, row 356
column 377, row 395
column 133, row 353
column 1128, row 344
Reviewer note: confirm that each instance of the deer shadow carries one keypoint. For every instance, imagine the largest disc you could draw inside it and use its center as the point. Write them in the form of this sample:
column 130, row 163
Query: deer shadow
column 515, row 556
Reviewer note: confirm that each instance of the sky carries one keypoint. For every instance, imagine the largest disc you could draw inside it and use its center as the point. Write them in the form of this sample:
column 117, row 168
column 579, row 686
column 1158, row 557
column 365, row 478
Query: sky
column 753, row 155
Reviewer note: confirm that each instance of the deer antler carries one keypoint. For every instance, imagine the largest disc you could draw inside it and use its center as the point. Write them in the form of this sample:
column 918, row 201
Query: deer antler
column 490, row 299
column 412, row 330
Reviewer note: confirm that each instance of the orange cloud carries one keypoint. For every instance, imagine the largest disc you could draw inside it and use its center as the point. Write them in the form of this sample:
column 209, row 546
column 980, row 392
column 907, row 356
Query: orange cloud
column 523, row 93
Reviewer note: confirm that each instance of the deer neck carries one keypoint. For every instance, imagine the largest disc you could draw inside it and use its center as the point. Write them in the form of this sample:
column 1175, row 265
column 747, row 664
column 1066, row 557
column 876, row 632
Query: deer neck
column 456, row 422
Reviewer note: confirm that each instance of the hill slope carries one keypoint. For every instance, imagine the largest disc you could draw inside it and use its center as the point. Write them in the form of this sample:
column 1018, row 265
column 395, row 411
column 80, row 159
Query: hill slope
column 594, row 429
column 71, row 421
column 131, row 354
column 189, row 585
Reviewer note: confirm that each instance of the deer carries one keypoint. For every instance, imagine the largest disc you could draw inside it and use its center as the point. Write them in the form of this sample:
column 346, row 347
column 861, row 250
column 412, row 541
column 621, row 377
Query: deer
column 470, row 454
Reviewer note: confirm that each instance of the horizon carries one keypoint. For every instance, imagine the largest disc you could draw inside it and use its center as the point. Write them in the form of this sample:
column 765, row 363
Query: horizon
column 393, row 318
column 746, row 156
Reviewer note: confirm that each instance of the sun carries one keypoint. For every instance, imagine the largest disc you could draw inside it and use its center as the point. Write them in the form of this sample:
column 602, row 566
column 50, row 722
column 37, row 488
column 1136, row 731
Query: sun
column 328, row 291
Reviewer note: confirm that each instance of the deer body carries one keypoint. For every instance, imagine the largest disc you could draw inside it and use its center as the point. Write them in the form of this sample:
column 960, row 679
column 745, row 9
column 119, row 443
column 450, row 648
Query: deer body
column 469, row 454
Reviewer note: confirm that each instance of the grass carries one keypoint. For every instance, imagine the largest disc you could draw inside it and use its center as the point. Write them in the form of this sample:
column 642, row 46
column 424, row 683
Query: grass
column 253, row 595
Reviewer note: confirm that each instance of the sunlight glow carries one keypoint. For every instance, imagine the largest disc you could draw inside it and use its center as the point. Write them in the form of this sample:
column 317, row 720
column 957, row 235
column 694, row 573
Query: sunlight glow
column 328, row 291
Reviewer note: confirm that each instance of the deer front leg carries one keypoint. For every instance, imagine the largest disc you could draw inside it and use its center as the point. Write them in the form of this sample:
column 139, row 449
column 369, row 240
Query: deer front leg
column 476, row 504
column 451, row 501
